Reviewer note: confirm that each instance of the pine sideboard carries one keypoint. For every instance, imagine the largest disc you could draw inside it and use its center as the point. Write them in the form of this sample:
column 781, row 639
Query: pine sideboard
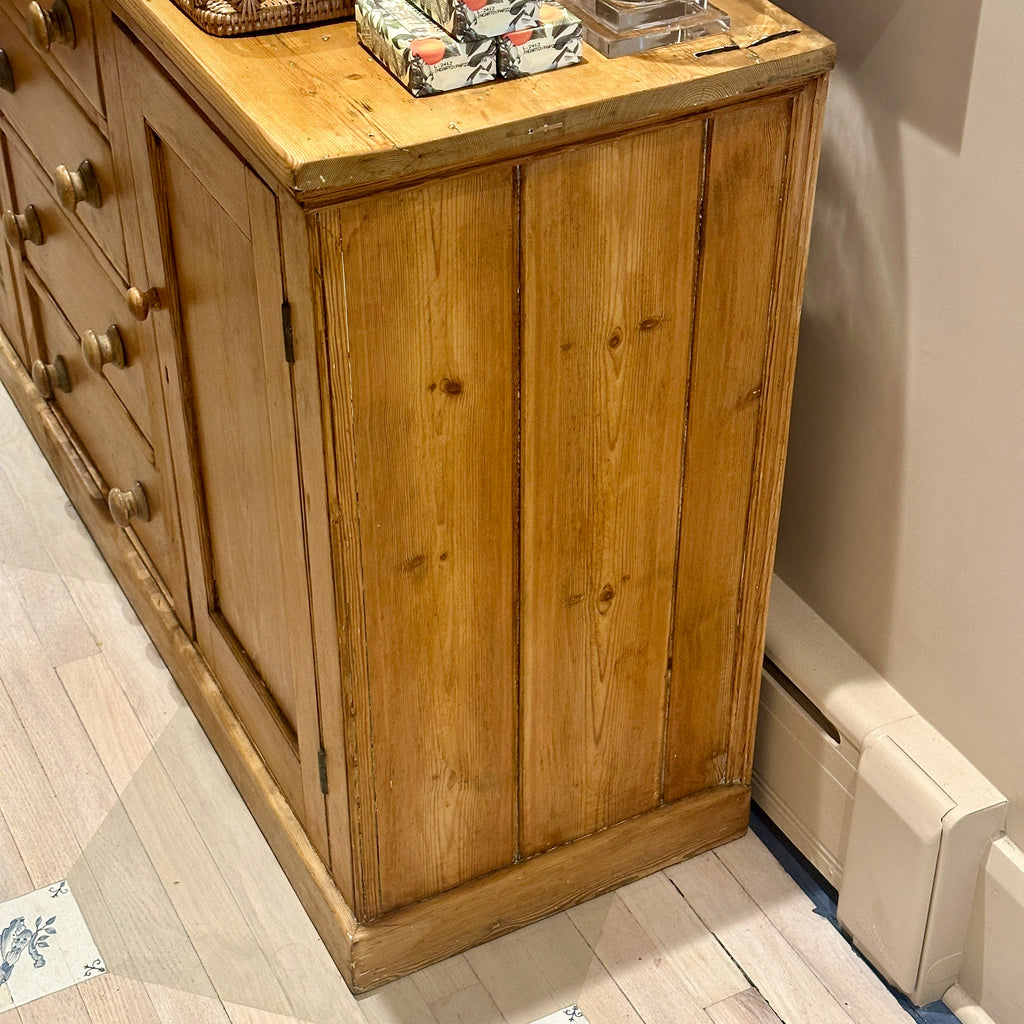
column 438, row 443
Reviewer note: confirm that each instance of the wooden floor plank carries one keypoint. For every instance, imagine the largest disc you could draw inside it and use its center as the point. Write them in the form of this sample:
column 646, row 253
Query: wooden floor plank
column 37, row 823
column 602, row 1001
column 142, row 934
column 534, row 971
column 708, row 971
column 772, row 965
column 651, row 981
column 442, row 980
column 295, row 956
column 471, row 1005
column 829, row 955
column 65, row 1006
column 113, row 728
column 176, row 1006
column 400, row 1002
column 114, row 999
column 14, row 879
column 230, row 954
column 129, row 652
column 57, row 622
column 746, row 1007
column 250, row 1015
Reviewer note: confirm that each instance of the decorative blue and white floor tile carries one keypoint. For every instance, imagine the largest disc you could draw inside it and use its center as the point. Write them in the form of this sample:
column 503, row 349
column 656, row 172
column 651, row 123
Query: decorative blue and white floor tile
column 570, row 1015
column 45, row 945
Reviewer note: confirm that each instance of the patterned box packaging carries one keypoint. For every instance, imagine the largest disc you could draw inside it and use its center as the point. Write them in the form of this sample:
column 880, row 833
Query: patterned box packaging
column 482, row 19
column 555, row 43
column 424, row 58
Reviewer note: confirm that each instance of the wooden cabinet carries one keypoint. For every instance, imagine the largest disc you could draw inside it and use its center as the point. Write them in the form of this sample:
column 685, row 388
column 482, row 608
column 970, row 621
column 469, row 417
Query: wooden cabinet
column 460, row 427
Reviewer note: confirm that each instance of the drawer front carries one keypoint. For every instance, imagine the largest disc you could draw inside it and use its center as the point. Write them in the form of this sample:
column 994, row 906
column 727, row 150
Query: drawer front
column 87, row 294
column 74, row 63
column 120, row 454
column 59, row 135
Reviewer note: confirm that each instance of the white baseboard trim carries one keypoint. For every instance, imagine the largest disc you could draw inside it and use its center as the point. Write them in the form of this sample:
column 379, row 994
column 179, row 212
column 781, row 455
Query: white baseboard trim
column 992, row 975
column 886, row 808
column 966, row 1009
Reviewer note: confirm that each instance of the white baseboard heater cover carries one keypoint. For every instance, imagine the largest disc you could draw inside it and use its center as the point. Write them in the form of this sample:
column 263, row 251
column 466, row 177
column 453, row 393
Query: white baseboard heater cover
column 875, row 798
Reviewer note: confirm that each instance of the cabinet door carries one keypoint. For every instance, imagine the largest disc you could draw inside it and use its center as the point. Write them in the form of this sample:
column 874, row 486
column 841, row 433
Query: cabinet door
column 210, row 236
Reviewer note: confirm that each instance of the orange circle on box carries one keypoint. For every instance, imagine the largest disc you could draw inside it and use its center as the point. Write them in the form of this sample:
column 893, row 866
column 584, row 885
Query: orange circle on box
column 430, row 49
column 520, row 37
column 474, row 5
column 549, row 13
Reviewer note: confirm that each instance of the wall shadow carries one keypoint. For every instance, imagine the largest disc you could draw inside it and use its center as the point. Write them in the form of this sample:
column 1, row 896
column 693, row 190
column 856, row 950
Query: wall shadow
column 900, row 64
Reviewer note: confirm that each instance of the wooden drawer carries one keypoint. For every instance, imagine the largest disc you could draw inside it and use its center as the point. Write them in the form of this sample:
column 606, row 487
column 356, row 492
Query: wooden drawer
column 107, row 437
column 88, row 295
column 59, row 134
column 75, row 64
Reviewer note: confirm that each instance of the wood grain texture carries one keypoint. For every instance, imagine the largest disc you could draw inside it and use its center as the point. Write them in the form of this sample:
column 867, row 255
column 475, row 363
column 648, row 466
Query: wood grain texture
column 324, row 116
column 311, row 406
column 748, row 1007
column 605, row 350
column 834, row 960
column 430, row 341
column 780, row 367
column 425, row 932
column 744, row 186
column 42, row 109
column 773, row 966
column 212, row 238
column 350, row 721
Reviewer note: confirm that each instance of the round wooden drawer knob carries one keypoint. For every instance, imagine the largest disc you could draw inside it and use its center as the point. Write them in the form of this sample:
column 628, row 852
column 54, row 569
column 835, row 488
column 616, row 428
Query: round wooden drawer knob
column 51, row 377
column 53, row 26
column 141, row 302
column 74, row 187
column 101, row 349
column 6, row 73
column 128, row 505
column 22, row 227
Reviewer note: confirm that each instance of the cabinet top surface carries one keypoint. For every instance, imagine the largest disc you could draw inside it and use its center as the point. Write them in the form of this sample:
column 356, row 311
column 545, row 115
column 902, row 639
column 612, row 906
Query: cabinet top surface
column 326, row 119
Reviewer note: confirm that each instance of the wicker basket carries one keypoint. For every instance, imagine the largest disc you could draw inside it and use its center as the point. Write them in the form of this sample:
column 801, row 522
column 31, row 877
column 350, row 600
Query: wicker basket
column 236, row 17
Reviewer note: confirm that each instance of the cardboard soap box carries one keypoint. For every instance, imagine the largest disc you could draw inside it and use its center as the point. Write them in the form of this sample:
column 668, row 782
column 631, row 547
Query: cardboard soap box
column 555, row 43
column 482, row 19
column 424, row 58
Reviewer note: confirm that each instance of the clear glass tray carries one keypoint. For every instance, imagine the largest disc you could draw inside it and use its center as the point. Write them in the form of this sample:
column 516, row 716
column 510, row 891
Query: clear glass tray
column 619, row 27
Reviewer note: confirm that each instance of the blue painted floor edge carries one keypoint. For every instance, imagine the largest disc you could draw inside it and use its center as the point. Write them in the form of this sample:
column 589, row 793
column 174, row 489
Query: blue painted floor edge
column 824, row 897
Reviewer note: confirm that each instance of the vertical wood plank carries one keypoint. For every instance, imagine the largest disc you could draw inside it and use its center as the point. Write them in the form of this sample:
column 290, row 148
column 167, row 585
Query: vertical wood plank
column 742, row 208
column 312, row 403
column 351, row 706
column 430, row 300
column 607, row 315
column 794, row 240
column 298, row 674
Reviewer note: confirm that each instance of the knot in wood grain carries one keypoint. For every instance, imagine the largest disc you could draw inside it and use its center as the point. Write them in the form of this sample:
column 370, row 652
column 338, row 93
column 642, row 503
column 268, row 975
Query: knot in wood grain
column 410, row 565
column 604, row 598
column 650, row 322
column 451, row 387
column 616, row 339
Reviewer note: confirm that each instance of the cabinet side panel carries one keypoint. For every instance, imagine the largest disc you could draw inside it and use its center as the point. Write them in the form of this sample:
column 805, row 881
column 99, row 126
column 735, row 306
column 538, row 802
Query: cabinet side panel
column 742, row 212
column 430, row 279
column 609, row 233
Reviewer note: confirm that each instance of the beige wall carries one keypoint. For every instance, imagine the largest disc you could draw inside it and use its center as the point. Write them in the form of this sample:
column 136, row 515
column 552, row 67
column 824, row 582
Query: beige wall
column 903, row 513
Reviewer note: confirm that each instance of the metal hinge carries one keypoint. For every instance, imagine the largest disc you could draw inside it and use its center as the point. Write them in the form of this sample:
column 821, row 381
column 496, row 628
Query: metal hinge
column 286, row 327
column 321, row 763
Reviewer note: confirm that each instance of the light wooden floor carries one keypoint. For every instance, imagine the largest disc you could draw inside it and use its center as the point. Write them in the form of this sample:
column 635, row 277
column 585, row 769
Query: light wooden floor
column 106, row 780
